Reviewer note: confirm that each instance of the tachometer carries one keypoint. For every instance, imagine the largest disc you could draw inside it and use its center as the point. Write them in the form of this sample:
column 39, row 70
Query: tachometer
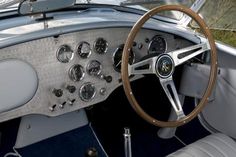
column 84, row 49
column 118, row 55
column 157, row 45
column 100, row 46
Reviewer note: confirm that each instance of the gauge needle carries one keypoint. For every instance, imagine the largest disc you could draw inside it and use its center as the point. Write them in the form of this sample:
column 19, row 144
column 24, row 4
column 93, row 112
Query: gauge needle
column 118, row 63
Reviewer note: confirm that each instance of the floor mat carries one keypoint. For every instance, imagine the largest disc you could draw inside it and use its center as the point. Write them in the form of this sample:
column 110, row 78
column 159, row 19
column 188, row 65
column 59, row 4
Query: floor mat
column 192, row 131
column 144, row 141
column 73, row 144
column 8, row 135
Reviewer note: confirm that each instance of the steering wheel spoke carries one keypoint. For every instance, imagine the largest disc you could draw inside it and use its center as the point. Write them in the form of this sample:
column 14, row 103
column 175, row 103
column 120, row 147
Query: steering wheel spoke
column 171, row 92
column 182, row 55
column 146, row 66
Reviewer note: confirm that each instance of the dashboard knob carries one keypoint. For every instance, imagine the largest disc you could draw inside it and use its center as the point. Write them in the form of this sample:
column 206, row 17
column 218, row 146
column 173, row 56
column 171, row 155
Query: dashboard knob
column 71, row 89
column 57, row 92
column 108, row 79
column 103, row 91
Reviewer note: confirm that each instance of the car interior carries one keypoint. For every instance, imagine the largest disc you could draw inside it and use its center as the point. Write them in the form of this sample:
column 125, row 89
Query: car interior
column 114, row 78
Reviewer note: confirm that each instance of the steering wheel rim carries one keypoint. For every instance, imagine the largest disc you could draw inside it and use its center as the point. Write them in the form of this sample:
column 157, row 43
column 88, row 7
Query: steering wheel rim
column 125, row 70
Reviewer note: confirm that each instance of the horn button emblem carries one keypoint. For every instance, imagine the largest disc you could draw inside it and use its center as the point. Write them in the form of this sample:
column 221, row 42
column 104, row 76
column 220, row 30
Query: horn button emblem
column 164, row 66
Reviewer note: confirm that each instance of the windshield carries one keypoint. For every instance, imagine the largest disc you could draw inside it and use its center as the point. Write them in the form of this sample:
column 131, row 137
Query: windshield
column 145, row 5
column 218, row 14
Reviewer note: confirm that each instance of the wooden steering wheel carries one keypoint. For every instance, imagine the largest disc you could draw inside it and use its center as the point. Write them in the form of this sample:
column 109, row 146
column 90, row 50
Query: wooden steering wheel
column 163, row 67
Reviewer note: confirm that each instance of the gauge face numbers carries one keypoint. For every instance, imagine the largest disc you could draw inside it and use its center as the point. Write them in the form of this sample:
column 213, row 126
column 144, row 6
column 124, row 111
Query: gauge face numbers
column 94, row 68
column 64, row 54
column 117, row 56
column 100, row 46
column 157, row 45
column 87, row 92
column 76, row 73
column 84, row 50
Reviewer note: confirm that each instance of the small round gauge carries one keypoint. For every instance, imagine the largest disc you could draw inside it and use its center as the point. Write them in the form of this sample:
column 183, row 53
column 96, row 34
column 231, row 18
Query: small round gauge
column 118, row 55
column 100, row 46
column 94, row 68
column 157, row 45
column 87, row 92
column 64, row 54
column 84, row 49
column 76, row 73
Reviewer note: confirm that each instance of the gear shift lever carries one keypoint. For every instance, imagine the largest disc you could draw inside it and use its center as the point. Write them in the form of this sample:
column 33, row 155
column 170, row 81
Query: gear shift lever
column 127, row 143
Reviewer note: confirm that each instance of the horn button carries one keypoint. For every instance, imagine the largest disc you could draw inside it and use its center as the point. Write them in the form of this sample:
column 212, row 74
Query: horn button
column 164, row 66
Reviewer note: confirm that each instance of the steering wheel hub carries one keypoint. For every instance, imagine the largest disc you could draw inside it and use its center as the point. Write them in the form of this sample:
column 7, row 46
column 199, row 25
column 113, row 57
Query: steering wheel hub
column 164, row 66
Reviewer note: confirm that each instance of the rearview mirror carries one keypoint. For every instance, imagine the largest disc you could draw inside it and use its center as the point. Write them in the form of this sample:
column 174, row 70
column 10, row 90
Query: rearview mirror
column 34, row 7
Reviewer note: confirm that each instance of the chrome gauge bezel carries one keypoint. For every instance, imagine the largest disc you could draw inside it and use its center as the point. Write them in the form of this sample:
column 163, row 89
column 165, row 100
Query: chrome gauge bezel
column 88, row 68
column 81, row 90
column 96, row 41
column 152, row 40
column 113, row 58
column 70, row 73
column 78, row 47
column 58, row 54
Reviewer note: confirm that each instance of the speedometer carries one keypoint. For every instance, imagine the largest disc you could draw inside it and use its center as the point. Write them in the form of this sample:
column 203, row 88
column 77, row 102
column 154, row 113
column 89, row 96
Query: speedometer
column 118, row 55
column 157, row 45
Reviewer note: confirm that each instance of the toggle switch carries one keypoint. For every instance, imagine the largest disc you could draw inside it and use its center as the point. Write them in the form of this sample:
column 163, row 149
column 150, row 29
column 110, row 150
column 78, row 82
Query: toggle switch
column 62, row 105
column 71, row 102
column 52, row 108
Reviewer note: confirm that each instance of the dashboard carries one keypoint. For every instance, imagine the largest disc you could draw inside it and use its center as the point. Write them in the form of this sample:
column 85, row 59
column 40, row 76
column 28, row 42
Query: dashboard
column 79, row 69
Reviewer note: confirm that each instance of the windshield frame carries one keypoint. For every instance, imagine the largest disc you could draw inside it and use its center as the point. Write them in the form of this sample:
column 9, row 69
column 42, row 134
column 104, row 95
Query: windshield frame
column 96, row 3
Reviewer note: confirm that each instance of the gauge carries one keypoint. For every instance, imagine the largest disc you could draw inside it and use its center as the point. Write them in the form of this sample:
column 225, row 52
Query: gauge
column 87, row 91
column 157, row 45
column 100, row 46
column 118, row 55
column 76, row 73
column 64, row 54
column 94, row 68
column 84, row 49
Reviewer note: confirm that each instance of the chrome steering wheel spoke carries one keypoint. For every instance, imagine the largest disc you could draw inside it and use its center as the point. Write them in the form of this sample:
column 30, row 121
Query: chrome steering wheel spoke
column 171, row 92
column 146, row 66
column 182, row 55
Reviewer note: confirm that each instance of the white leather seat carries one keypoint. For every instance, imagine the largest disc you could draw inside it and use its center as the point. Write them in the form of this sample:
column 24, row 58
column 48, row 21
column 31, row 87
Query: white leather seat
column 215, row 145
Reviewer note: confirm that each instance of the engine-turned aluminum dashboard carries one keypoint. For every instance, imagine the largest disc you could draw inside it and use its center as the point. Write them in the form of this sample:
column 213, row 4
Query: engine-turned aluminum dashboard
column 69, row 79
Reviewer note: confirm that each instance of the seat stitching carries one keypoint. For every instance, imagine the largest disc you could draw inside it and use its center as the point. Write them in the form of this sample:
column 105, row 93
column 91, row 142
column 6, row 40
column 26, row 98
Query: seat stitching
column 182, row 150
column 224, row 143
column 215, row 147
column 201, row 149
column 186, row 151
